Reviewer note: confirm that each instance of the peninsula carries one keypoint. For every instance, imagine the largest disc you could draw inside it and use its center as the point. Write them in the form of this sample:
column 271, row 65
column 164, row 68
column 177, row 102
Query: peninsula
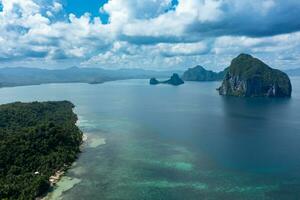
column 37, row 140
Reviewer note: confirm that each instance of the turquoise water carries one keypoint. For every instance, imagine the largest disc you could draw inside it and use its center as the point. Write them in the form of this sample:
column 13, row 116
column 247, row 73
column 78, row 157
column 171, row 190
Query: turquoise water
column 164, row 142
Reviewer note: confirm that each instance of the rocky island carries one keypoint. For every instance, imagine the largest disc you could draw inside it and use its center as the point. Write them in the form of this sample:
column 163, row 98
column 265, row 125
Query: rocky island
column 199, row 73
column 174, row 80
column 250, row 77
column 38, row 141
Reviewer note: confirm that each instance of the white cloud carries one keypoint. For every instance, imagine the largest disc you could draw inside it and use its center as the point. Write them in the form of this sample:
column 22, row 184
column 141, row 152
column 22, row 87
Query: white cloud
column 151, row 33
column 56, row 7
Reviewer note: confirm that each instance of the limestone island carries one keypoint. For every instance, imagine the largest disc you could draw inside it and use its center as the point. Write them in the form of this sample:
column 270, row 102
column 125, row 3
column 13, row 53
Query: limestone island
column 38, row 142
column 250, row 77
column 200, row 74
column 174, row 80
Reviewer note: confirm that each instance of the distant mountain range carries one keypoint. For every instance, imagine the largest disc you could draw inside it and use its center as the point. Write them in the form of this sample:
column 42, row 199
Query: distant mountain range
column 293, row 72
column 19, row 76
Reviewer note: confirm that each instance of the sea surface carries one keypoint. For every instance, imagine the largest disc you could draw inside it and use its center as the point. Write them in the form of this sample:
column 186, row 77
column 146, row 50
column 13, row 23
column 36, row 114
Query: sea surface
column 176, row 143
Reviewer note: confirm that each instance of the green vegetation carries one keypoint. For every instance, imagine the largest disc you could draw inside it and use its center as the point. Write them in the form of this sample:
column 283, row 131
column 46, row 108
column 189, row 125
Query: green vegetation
column 199, row 73
column 36, row 140
column 247, row 67
column 249, row 76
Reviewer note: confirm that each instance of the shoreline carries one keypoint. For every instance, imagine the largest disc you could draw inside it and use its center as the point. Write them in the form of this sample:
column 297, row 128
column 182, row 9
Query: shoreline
column 75, row 82
column 54, row 179
column 84, row 138
column 59, row 174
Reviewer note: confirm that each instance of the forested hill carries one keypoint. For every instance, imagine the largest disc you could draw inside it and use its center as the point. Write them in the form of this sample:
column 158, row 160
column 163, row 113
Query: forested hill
column 199, row 73
column 36, row 140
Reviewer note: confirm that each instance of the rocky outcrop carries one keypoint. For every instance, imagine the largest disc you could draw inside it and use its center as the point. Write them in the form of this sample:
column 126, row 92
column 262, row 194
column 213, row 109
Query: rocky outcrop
column 250, row 77
column 174, row 80
column 199, row 73
column 154, row 81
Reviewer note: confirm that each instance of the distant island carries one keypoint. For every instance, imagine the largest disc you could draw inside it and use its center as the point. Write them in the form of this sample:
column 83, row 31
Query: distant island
column 36, row 141
column 20, row 76
column 293, row 72
column 199, row 73
column 174, row 80
column 250, row 77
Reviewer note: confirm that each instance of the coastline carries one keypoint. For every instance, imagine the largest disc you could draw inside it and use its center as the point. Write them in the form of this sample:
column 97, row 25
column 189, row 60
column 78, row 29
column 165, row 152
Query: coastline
column 61, row 181
column 84, row 139
column 58, row 175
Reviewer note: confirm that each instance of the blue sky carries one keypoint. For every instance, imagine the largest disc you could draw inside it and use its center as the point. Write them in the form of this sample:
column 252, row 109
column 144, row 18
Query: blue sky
column 150, row 34
column 80, row 7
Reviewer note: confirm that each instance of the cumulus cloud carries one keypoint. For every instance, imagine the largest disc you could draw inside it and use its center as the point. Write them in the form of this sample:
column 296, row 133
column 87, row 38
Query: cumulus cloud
column 150, row 33
column 196, row 19
column 27, row 34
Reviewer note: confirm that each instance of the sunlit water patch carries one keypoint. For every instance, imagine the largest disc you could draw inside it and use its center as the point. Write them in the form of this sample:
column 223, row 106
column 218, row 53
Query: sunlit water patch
column 66, row 183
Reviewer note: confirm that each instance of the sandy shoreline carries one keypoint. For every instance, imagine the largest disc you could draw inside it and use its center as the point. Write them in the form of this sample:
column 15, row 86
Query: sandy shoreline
column 54, row 179
column 57, row 176
column 59, row 180
column 84, row 138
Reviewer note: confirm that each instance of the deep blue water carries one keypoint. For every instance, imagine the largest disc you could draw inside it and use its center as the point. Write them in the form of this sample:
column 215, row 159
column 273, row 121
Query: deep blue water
column 186, row 142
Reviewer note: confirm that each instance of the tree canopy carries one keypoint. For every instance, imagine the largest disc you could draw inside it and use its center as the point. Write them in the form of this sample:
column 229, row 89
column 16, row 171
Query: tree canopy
column 35, row 137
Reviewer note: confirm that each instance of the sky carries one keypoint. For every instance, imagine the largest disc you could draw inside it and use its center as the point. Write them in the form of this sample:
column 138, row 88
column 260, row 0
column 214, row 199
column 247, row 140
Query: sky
column 149, row 34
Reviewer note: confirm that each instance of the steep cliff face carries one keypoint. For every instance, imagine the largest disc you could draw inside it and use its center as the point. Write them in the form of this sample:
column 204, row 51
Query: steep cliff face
column 199, row 73
column 249, row 77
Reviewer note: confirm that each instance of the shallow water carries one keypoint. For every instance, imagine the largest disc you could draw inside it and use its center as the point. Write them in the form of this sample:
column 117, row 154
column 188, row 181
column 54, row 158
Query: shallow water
column 164, row 142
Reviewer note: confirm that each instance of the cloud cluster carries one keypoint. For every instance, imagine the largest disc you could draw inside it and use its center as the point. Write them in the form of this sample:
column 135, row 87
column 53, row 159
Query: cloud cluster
column 150, row 33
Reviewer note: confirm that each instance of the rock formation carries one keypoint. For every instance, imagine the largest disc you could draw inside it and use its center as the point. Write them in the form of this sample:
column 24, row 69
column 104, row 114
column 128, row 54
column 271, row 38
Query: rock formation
column 250, row 77
column 174, row 80
column 199, row 73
